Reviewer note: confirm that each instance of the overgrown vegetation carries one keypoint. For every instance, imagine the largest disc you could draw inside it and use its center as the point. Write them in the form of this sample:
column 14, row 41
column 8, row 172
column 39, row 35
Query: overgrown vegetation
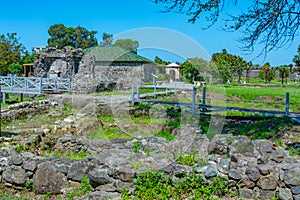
column 156, row 185
column 84, row 188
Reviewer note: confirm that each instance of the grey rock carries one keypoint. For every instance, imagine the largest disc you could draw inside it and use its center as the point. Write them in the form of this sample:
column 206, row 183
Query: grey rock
column 219, row 145
column 15, row 175
column 98, row 176
column 264, row 169
column 49, row 179
column 16, row 160
column 296, row 190
column 252, row 173
column 78, row 170
column 124, row 173
column 285, row 194
column 296, row 197
column 3, row 161
column 224, row 165
column 30, row 165
column 102, row 195
column 246, row 193
column 246, row 182
column 241, row 145
column 292, row 177
column 210, row 172
column 234, row 174
column 269, row 182
column 266, row 194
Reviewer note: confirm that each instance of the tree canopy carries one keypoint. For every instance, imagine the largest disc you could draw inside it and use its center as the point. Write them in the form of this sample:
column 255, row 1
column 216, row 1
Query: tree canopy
column 130, row 45
column 272, row 23
column 228, row 64
column 10, row 51
column 79, row 37
column 107, row 40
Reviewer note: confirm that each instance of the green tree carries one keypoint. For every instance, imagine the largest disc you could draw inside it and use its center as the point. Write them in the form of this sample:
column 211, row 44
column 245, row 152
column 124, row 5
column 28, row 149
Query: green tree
column 202, row 67
column 85, row 38
column 107, row 40
column 274, row 23
column 189, row 72
column 160, row 61
column 228, row 64
column 267, row 73
column 130, row 45
column 284, row 73
column 296, row 59
column 10, row 51
column 79, row 37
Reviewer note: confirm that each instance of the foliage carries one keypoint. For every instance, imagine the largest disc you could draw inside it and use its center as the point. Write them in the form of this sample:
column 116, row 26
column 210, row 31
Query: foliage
column 160, row 61
column 284, row 73
column 273, row 23
column 79, row 37
column 267, row 73
column 128, row 44
column 107, row 40
column 228, row 64
column 84, row 188
column 156, row 185
column 190, row 72
column 10, row 50
column 296, row 59
column 190, row 159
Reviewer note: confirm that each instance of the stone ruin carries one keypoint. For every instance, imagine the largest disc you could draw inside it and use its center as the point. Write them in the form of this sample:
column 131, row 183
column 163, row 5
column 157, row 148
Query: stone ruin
column 55, row 63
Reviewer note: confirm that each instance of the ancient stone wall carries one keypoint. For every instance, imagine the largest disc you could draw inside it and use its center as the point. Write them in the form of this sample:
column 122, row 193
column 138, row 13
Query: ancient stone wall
column 54, row 63
column 255, row 169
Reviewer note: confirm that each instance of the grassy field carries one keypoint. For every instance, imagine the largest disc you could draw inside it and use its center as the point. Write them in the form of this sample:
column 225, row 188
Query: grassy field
column 258, row 97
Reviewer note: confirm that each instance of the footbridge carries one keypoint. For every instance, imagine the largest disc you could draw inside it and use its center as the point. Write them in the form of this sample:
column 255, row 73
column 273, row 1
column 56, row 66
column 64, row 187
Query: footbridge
column 33, row 85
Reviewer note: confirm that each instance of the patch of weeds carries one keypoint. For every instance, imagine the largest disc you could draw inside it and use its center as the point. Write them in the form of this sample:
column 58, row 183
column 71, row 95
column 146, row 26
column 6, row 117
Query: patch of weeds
column 84, row 188
column 156, row 185
column 137, row 146
column 29, row 184
column 67, row 109
column 20, row 148
column 165, row 134
column 136, row 165
column 190, row 159
column 4, row 196
column 107, row 132
column 76, row 155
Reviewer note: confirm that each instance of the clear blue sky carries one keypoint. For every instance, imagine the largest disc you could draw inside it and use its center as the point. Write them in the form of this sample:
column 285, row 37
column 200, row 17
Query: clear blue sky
column 31, row 20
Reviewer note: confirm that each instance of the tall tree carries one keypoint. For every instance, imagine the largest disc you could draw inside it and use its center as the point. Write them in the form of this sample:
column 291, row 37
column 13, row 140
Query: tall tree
column 79, row 37
column 85, row 38
column 10, row 51
column 228, row 64
column 296, row 59
column 273, row 23
column 284, row 73
column 107, row 40
column 189, row 72
column 130, row 45
column 267, row 73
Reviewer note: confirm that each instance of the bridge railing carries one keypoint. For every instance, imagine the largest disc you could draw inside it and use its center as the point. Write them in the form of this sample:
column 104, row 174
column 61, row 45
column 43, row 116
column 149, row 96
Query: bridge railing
column 34, row 85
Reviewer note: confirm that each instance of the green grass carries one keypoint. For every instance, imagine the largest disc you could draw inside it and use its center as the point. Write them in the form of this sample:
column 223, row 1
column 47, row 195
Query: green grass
column 257, row 97
column 107, row 132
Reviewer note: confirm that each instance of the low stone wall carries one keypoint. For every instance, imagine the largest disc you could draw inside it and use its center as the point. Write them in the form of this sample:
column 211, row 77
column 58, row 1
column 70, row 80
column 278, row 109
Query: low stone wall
column 255, row 169
column 21, row 110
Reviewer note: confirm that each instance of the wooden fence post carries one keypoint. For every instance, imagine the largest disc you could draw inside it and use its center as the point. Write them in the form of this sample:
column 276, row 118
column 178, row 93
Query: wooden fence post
column 287, row 102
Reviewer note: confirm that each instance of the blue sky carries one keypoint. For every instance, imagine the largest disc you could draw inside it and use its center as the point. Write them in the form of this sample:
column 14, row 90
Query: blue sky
column 32, row 18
